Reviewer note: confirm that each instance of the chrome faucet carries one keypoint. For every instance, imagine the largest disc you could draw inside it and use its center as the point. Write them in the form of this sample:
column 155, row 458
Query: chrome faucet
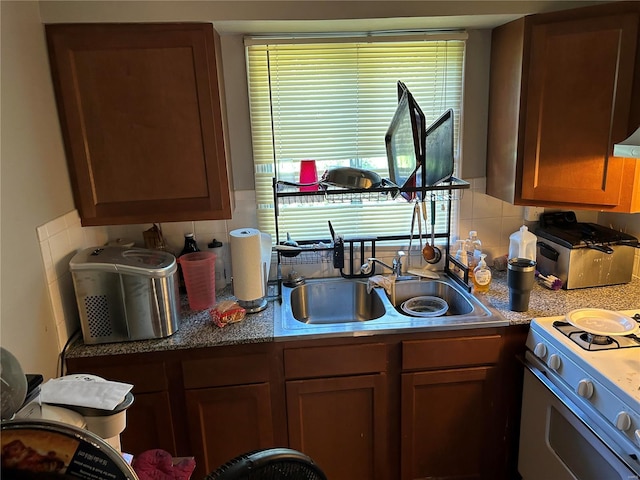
column 395, row 267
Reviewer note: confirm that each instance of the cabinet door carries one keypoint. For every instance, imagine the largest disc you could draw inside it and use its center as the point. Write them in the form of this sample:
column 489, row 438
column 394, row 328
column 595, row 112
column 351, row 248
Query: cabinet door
column 445, row 424
column 149, row 418
column 578, row 99
column 341, row 423
column 226, row 422
column 149, row 424
column 141, row 117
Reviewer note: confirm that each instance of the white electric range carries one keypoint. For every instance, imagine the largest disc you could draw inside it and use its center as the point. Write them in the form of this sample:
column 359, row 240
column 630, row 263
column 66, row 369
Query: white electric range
column 581, row 403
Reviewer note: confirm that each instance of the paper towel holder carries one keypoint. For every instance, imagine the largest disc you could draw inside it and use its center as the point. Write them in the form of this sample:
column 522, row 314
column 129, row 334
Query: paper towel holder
column 253, row 306
column 251, row 291
column 259, row 304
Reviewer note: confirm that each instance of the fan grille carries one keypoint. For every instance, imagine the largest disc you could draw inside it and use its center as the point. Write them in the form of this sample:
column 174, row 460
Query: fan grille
column 269, row 464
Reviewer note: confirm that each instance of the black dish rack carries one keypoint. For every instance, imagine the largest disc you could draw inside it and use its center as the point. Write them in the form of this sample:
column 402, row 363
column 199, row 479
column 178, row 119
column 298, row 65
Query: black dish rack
column 330, row 251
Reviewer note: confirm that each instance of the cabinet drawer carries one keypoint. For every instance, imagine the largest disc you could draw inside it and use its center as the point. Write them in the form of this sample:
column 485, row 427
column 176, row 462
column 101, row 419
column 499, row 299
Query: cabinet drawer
column 226, row 370
column 450, row 352
column 336, row 360
column 145, row 377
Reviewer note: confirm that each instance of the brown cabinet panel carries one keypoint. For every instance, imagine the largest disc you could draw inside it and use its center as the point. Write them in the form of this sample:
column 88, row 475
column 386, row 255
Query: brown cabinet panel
column 226, row 422
column 453, row 413
column 149, row 424
column 335, row 360
column 150, row 421
column 225, row 370
column 450, row 352
column 446, row 424
column 563, row 89
column 145, row 377
column 342, row 423
column 578, row 100
column 142, row 120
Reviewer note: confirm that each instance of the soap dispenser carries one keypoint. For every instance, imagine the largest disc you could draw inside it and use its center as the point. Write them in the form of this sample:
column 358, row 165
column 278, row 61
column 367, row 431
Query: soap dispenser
column 481, row 276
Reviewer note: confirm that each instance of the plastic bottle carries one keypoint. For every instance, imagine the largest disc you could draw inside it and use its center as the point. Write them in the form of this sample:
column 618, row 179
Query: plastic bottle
column 481, row 276
column 190, row 246
column 473, row 247
column 461, row 255
column 522, row 244
column 221, row 278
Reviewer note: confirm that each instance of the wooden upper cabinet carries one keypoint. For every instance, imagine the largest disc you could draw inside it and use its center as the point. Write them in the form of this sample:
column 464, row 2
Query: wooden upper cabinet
column 142, row 119
column 563, row 89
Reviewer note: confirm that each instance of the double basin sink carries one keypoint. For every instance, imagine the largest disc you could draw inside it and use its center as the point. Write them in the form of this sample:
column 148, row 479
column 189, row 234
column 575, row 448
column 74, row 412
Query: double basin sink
column 339, row 307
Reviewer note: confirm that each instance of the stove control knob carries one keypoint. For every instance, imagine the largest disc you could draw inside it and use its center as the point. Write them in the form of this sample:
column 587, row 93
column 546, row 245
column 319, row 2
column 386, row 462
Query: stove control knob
column 637, row 435
column 585, row 388
column 554, row 361
column 540, row 350
column 623, row 421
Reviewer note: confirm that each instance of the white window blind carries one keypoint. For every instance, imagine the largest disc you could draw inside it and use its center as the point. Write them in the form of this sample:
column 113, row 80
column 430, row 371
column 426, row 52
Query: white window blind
column 332, row 101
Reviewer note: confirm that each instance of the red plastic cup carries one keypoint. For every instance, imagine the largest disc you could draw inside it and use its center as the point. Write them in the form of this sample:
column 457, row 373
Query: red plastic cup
column 199, row 271
column 308, row 174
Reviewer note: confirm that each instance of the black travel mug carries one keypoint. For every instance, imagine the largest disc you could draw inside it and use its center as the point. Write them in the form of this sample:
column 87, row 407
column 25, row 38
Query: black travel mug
column 520, row 279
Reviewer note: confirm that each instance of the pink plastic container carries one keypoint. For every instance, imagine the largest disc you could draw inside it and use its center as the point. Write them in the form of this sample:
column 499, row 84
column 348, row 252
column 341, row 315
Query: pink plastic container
column 199, row 271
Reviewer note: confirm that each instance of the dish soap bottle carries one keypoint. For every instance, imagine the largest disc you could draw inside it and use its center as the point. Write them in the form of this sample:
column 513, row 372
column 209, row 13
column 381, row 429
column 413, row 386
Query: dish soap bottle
column 481, row 276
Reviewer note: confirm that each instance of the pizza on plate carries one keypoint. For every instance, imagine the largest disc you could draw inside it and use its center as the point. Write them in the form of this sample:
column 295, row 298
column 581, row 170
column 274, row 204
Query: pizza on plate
column 37, row 451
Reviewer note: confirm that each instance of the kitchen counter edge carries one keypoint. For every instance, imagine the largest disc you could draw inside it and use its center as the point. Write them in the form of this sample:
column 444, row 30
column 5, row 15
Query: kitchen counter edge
column 198, row 331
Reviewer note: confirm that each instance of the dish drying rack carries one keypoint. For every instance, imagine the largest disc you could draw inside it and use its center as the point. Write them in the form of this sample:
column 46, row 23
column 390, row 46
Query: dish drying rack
column 328, row 251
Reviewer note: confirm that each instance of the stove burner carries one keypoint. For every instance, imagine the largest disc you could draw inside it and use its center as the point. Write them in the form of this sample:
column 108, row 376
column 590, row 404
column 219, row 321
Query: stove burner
column 592, row 342
column 592, row 339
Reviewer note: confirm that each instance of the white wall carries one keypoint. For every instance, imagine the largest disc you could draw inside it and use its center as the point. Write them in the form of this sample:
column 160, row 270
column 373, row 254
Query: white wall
column 34, row 187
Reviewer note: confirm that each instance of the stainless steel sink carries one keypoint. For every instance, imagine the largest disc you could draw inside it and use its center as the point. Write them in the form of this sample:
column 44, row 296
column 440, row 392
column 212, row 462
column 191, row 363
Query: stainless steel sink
column 459, row 303
column 343, row 307
column 335, row 302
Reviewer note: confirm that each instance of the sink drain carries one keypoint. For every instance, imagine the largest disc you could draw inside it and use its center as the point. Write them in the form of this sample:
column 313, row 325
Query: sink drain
column 426, row 306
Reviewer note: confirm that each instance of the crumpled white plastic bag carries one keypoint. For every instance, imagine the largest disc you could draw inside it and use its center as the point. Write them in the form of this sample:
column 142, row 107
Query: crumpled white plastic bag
column 385, row 282
column 84, row 392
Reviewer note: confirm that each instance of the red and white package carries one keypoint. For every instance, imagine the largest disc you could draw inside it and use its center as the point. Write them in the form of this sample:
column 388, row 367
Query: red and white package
column 226, row 312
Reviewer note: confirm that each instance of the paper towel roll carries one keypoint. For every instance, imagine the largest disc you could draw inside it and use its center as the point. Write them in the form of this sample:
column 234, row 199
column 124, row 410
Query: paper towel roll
column 250, row 262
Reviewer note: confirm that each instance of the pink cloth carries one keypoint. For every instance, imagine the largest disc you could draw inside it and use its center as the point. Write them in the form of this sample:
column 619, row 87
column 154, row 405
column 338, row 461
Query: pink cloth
column 159, row 465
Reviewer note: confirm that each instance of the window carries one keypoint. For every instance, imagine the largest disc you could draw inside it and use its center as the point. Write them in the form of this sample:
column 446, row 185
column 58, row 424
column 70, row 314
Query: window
column 332, row 100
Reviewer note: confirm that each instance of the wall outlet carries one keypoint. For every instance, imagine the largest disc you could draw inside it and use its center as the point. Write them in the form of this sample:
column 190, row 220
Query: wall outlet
column 532, row 214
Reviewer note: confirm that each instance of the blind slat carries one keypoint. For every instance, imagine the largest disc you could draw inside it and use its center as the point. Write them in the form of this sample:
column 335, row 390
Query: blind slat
column 333, row 102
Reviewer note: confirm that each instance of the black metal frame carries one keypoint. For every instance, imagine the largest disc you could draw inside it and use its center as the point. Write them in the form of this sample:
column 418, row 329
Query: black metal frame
column 392, row 190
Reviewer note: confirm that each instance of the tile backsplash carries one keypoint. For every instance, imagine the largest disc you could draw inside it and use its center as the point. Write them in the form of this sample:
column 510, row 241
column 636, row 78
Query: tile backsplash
column 62, row 237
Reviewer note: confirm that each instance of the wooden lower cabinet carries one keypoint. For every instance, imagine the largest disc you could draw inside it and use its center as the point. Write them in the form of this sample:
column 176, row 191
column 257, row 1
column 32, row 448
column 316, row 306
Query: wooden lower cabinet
column 341, row 423
column 150, row 419
column 445, row 424
column 406, row 406
column 225, row 422
column 149, row 424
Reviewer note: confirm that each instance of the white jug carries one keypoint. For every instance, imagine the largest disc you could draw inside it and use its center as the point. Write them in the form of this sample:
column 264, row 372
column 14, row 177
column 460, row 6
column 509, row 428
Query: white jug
column 522, row 244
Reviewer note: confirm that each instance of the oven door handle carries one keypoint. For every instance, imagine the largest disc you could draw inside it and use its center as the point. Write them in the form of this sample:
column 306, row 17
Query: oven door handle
column 541, row 375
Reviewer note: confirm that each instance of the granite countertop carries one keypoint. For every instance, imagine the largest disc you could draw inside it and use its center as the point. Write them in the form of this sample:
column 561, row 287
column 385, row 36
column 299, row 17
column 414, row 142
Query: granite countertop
column 547, row 303
column 198, row 331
